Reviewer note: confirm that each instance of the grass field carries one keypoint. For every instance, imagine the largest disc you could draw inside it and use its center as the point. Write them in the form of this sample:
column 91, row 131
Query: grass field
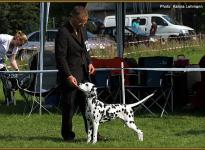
column 176, row 130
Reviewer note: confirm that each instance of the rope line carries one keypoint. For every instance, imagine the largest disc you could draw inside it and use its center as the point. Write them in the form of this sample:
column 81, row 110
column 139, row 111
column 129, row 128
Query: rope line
column 156, row 69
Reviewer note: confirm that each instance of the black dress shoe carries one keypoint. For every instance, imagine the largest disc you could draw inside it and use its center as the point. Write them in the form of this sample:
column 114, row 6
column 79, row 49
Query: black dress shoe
column 69, row 137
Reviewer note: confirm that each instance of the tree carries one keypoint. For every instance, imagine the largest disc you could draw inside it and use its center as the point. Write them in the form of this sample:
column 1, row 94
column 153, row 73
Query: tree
column 4, row 11
column 19, row 16
column 60, row 11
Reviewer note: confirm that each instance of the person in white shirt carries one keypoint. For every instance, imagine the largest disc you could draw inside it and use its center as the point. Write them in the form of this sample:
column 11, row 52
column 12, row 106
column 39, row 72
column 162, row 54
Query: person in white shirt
column 9, row 46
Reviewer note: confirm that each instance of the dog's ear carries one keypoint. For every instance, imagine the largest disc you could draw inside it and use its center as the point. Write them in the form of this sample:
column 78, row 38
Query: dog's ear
column 94, row 90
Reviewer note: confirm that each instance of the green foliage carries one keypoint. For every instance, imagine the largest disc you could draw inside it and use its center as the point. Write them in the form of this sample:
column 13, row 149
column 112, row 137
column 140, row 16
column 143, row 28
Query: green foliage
column 25, row 16
column 60, row 12
column 4, row 12
column 19, row 16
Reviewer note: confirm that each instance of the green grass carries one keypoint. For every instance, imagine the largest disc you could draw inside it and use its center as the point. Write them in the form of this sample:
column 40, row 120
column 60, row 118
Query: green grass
column 181, row 130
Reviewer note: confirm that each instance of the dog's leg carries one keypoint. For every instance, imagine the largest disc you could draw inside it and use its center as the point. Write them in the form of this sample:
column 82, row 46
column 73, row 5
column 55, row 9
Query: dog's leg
column 90, row 130
column 95, row 131
column 132, row 125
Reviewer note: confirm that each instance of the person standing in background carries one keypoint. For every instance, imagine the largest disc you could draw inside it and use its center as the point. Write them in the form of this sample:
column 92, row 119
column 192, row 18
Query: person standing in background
column 153, row 28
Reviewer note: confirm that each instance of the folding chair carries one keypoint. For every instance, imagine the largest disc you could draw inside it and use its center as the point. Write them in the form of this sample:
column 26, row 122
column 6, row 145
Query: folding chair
column 29, row 84
column 101, row 81
column 159, row 82
column 107, row 81
column 31, row 94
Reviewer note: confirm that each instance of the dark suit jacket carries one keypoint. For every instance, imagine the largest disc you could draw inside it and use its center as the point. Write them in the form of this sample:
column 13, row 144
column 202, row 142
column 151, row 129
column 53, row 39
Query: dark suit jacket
column 71, row 53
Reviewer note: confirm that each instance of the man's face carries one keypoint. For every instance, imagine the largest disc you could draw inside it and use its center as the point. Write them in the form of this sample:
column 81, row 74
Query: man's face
column 79, row 22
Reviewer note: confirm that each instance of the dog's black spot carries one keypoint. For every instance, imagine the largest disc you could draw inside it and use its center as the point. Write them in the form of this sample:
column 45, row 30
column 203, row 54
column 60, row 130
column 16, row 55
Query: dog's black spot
column 93, row 101
column 113, row 106
column 107, row 112
column 92, row 89
column 100, row 105
column 132, row 122
column 129, row 116
column 125, row 112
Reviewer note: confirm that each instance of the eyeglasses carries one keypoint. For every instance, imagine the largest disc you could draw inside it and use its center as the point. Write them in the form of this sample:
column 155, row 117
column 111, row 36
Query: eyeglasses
column 81, row 21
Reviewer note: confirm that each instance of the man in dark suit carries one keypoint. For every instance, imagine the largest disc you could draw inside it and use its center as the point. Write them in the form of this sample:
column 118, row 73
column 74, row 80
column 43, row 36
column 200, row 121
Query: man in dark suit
column 74, row 65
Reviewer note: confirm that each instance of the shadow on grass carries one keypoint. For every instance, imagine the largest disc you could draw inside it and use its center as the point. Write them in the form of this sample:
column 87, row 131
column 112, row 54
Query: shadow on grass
column 191, row 132
column 11, row 138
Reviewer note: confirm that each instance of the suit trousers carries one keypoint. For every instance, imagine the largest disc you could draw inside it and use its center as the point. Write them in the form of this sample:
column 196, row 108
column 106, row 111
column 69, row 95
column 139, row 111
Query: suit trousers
column 71, row 98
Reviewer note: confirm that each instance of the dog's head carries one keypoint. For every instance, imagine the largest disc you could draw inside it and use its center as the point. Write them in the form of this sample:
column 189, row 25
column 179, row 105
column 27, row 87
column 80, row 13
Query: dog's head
column 88, row 88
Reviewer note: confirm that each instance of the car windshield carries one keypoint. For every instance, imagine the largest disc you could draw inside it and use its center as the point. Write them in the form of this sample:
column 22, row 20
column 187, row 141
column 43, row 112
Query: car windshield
column 170, row 20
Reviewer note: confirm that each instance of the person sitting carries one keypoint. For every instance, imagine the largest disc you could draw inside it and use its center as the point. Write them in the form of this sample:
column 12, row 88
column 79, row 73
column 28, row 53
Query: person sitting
column 136, row 27
column 9, row 46
column 136, row 22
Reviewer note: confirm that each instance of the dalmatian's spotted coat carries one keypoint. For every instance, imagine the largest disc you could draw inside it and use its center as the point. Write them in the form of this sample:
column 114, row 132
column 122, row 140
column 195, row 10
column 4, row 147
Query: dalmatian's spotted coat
column 98, row 112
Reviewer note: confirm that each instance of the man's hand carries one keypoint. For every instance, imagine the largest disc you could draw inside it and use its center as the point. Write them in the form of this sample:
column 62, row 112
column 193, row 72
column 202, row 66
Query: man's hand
column 91, row 69
column 73, row 81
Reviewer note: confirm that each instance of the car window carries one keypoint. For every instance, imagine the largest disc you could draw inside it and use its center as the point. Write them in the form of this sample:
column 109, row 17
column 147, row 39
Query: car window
column 159, row 21
column 34, row 37
column 142, row 21
column 50, row 36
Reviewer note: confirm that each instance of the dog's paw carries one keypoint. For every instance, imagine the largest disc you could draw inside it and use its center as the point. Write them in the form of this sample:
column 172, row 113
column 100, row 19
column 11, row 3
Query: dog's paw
column 140, row 136
column 94, row 142
column 88, row 140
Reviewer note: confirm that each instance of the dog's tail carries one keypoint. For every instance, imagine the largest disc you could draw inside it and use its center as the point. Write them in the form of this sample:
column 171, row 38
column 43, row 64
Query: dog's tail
column 141, row 101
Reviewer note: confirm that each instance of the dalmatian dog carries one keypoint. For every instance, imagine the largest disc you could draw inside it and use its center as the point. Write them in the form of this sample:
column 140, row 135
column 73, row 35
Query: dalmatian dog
column 98, row 112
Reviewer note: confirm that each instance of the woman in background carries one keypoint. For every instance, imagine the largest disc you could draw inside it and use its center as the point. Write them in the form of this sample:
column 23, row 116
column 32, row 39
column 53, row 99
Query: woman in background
column 9, row 46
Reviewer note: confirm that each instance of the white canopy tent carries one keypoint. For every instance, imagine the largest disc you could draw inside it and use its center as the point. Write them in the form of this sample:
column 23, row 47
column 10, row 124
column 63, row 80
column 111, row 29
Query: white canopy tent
column 44, row 14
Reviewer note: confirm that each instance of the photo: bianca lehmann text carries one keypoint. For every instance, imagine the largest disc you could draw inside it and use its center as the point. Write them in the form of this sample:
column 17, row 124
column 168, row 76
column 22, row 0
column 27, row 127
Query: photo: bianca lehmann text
column 182, row 6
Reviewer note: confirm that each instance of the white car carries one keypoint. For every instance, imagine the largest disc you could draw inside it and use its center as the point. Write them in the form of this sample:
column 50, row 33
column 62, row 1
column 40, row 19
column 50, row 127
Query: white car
column 93, row 41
